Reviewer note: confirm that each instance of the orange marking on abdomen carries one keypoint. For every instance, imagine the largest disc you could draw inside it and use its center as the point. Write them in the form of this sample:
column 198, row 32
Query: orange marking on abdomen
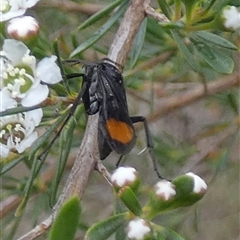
column 119, row 131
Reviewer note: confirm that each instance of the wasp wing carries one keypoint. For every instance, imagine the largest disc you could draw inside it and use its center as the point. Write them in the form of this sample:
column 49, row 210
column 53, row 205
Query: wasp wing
column 116, row 131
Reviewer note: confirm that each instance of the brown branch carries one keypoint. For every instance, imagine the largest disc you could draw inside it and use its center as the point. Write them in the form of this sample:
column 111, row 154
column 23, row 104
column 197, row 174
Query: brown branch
column 8, row 204
column 206, row 146
column 157, row 16
column 169, row 104
column 126, row 33
column 150, row 63
column 88, row 153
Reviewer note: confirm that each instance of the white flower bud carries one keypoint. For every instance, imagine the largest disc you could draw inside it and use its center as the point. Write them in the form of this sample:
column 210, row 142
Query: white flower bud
column 165, row 190
column 231, row 18
column 124, row 176
column 138, row 229
column 22, row 28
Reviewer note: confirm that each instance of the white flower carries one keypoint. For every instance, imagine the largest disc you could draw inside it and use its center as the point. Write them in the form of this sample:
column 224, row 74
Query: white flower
column 22, row 27
column 199, row 185
column 22, row 76
column 138, row 229
column 165, row 190
column 17, row 131
column 232, row 17
column 123, row 176
column 14, row 8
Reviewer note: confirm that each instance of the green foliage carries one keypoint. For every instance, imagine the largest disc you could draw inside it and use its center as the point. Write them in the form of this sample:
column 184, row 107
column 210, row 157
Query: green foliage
column 66, row 222
column 138, row 43
column 130, row 200
column 104, row 229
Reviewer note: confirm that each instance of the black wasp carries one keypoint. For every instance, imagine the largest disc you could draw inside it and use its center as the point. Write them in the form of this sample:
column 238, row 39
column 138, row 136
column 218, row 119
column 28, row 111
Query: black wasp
column 103, row 91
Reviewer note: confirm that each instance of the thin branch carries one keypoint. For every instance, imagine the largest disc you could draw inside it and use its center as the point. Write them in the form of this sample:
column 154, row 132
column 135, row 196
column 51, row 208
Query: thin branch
column 8, row 204
column 205, row 146
column 126, row 33
column 157, row 16
column 169, row 104
column 150, row 63
column 104, row 172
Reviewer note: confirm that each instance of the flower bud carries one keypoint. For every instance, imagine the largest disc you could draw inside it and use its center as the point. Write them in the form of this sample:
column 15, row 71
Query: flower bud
column 138, row 229
column 165, row 190
column 23, row 28
column 228, row 19
column 231, row 18
column 190, row 188
column 125, row 176
column 161, row 199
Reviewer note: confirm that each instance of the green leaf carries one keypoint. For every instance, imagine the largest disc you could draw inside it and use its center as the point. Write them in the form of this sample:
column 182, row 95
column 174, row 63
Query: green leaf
column 214, row 39
column 218, row 5
column 165, row 8
column 66, row 222
column 218, row 61
column 233, row 102
column 103, row 230
column 130, row 200
column 94, row 18
column 138, row 43
column 36, row 166
column 101, row 31
column 186, row 52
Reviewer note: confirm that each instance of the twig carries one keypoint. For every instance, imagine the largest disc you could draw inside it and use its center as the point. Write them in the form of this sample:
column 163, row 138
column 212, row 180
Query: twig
column 103, row 171
column 188, row 97
column 205, row 146
column 150, row 63
column 8, row 204
column 126, row 33
column 157, row 16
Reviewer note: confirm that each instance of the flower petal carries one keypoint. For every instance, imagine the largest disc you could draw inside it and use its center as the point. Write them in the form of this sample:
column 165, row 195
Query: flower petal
column 35, row 96
column 48, row 71
column 15, row 50
column 6, row 101
column 27, row 142
column 35, row 116
column 4, row 150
